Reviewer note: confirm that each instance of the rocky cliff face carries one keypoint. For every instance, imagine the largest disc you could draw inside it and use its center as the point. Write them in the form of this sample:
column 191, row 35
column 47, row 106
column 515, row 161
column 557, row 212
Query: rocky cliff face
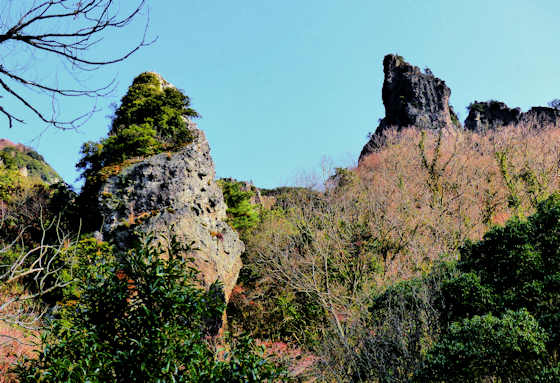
column 411, row 98
column 174, row 194
column 493, row 114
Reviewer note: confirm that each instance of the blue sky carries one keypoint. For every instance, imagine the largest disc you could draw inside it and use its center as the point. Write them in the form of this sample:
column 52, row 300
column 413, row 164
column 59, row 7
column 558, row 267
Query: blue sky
column 282, row 84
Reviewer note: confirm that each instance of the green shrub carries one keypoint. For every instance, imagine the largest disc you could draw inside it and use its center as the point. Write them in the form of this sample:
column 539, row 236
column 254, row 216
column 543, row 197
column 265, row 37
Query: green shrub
column 242, row 214
column 141, row 318
column 501, row 315
column 150, row 119
column 510, row 348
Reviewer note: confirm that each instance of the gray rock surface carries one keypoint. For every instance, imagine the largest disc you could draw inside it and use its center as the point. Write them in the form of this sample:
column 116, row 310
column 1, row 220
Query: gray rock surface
column 175, row 194
column 411, row 98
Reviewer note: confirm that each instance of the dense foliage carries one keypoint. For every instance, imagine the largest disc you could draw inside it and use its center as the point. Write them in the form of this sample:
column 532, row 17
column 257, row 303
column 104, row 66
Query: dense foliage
column 12, row 158
column 33, row 199
column 152, row 118
column 242, row 214
column 482, row 348
column 397, row 271
column 141, row 318
column 491, row 316
column 515, row 267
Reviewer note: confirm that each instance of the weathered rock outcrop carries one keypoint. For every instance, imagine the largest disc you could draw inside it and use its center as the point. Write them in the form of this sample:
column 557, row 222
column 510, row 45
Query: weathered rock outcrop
column 484, row 115
column 174, row 194
column 542, row 116
column 492, row 114
column 411, row 98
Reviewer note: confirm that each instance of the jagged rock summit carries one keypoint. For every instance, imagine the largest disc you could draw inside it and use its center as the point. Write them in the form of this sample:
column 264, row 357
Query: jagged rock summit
column 411, row 98
column 175, row 194
column 492, row 114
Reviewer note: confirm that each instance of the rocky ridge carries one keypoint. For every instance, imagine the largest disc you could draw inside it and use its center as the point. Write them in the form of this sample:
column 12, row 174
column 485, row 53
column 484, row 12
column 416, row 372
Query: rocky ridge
column 493, row 114
column 415, row 98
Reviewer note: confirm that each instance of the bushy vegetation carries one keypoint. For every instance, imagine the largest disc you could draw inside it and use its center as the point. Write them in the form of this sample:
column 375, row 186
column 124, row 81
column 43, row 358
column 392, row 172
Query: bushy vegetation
column 242, row 213
column 436, row 260
column 515, row 272
column 141, row 318
column 510, row 348
column 32, row 197
column 490, row 316
column 14, row 159
column 152, row 118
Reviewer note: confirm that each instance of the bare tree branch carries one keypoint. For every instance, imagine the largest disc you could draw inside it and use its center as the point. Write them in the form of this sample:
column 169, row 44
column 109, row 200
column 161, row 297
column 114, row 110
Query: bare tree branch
column 85, row 25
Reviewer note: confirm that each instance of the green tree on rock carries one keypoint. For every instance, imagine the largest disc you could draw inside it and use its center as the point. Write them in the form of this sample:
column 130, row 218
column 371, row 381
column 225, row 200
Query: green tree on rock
column 153, row 117
column 242, row 214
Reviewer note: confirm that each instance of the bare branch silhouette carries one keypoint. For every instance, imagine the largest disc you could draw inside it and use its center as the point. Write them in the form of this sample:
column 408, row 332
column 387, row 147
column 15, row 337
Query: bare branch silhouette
column 70, row 30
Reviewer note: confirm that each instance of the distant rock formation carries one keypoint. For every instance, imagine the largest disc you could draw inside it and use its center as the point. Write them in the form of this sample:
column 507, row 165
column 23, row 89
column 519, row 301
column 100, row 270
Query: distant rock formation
column 488, row 115
column 411, row 98
column 542, row 116
column 174, row 194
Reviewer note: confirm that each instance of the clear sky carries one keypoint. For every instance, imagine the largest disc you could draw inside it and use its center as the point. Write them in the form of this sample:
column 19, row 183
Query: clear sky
column 281, row 84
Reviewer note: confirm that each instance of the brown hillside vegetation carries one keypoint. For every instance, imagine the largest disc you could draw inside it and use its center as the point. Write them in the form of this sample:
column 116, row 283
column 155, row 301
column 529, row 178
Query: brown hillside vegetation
column 317, row 264
column 437, row 189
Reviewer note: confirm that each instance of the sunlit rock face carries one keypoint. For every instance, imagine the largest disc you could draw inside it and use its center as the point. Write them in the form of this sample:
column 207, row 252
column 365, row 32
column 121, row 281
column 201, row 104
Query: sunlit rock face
column 175, row 194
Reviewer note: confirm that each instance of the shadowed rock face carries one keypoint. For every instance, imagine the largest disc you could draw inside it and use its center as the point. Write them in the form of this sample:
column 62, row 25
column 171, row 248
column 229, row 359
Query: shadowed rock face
column 540, row 115
column 411, row 98
column 175, row 194
column 490, row 115
column 493, row 114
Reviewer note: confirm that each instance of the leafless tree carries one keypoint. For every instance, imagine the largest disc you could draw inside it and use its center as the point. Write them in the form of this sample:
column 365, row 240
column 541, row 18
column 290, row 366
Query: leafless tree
column 41, row 264
column 69, row 30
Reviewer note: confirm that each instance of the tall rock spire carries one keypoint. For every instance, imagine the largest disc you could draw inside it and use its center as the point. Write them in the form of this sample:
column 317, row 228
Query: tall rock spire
column 411, row 98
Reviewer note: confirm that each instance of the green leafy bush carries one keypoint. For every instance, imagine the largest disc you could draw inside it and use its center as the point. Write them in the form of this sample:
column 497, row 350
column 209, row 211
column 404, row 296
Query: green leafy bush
column 150, row 119
column 511, row 348
column 500, row 316
column 141, row 318
column 520, row 265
